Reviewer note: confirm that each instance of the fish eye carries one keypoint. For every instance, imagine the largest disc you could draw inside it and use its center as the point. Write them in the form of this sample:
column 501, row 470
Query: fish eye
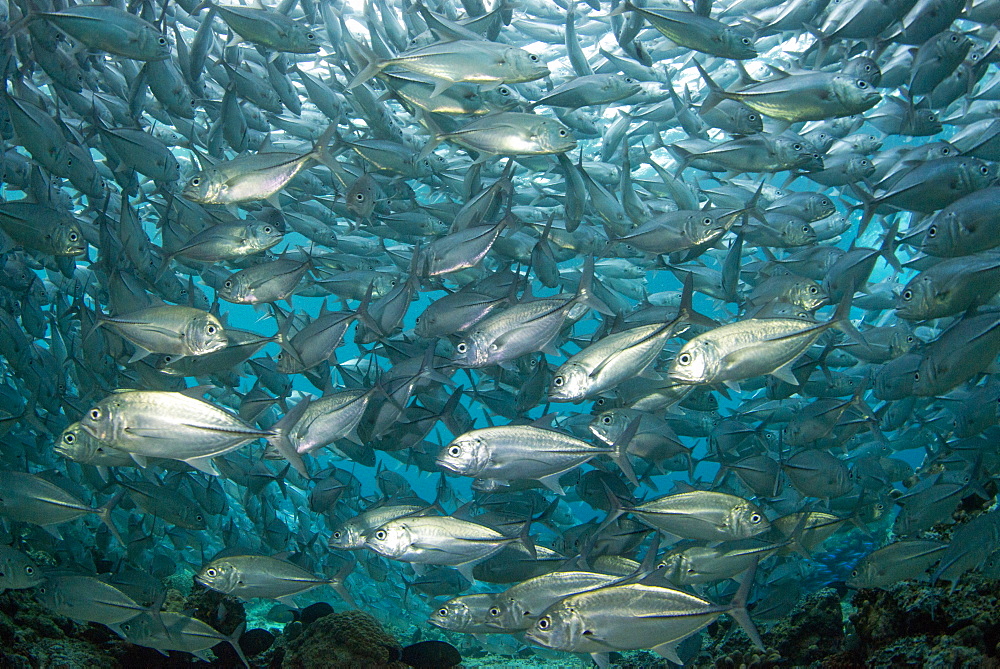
column 454, row 451
column 562, row 133
column 359, row 197
column 629, row 80
column 69, row 438
column 267, row 229
column 336, row 535
column 196, row 181
column 916, row 376
column 544, row 623
column 29, row 570
column 854, row 573
column 494, row 611
column 442, row 612
column 533, row 58
column 907, row 294
column 984, row 170
column 380, row 535
column 797, row 147
column 503, row 90
column 756, row 518
column 162, row 41
column 461, row 348
column 73, row 236
column 862, row 84
column 813, row 289
column 310, row 36
column 210, row 329
column 95, row 414
column 805, row 229
column 909, row 339
column 199, row 518
column 746, row 40
column 606, row 420
column 954, row 38
column 707, row 220
column 557, row 382
column 228, row 283
column 211, row 572
column 684, row 359
column 752, row 117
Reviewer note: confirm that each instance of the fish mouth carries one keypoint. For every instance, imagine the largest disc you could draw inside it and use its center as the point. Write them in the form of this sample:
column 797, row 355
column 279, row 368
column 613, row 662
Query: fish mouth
column 448, row 466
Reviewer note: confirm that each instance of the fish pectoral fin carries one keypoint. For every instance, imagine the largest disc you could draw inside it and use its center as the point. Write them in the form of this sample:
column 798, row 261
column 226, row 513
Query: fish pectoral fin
column 287, row 600
column 602, row 660
column 140, row 353
column 652, row 374
column 552, row 483
column 440, row 86
column 785, row 374
column 204, row 465
column 669, row 651
column 140, row 460
column 465, row 569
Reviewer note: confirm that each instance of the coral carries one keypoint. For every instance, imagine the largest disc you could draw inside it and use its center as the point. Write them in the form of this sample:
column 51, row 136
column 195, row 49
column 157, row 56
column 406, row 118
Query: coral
column 348, row 639
column 812, row 632
column 928, row 625
column 223, row 612
column 31, row 636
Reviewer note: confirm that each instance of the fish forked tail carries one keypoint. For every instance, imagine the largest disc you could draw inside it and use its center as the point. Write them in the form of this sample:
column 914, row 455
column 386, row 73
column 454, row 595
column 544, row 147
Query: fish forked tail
column 104, row 513
column 372, row 65
column 619, row 452
column 338, row 580
column 279, row 436
column 716, row 93
column 737, row 608
column 585, row 294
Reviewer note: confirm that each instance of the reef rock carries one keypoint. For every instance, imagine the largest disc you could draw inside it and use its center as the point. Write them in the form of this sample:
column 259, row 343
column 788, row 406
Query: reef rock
column 348, row 639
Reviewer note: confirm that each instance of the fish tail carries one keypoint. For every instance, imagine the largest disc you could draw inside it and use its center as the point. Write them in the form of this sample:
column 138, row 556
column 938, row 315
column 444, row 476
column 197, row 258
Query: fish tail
column 716, row 94
column 841, row 318
column 615, row 508
column 234, row 641
column 321, row 152
column 620, row 454
column 888, row 248
column 372, row 66
column 738, row 608
column 337, row 582
column 436, row 136
column 525, row 540
column 104, row 513
column 868, row 206
column 585, row 295
column 279, row 436
column 626, row 6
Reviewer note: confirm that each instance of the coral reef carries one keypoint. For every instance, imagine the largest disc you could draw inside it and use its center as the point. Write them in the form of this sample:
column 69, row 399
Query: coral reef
column 223, row 612
column 30, row 636
column 919, row 624
column 348, row 639
column 810, row 633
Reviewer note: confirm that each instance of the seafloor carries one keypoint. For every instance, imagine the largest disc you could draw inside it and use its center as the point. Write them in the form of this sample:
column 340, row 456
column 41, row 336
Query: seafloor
column 909, row 625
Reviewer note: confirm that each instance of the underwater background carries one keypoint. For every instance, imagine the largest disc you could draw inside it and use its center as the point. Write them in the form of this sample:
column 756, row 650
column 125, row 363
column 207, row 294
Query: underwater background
column 494, row 334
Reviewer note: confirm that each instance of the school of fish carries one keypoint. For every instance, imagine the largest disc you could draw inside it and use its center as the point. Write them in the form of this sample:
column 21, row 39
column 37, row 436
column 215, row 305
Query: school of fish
column 559, row 324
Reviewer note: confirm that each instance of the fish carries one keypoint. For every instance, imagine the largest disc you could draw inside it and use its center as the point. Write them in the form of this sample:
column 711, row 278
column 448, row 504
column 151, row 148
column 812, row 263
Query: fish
column 251, row 576
column 480, row 312
column 174, row 425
